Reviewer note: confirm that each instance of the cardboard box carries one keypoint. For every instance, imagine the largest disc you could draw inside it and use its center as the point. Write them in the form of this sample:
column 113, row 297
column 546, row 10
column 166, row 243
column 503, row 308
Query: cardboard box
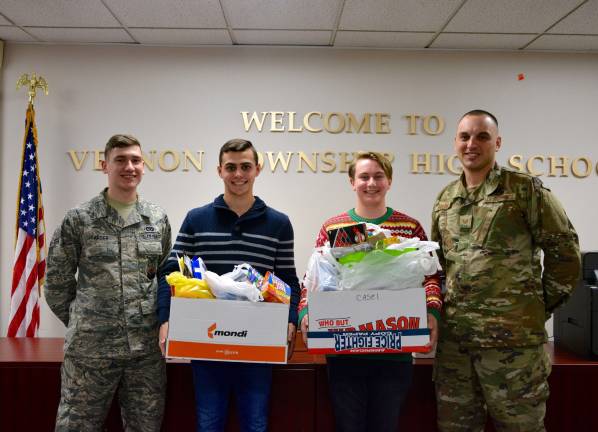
column 227, row 330
column 368, row 322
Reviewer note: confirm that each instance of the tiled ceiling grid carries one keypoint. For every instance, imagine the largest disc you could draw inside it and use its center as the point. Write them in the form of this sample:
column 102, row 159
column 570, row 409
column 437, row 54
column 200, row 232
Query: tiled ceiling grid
column 559, row 25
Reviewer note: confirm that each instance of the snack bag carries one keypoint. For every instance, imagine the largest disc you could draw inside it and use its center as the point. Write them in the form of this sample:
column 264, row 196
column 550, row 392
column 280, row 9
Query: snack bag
column 198, row 268
column 253, row 275
column 183, row 286
column 275, row 290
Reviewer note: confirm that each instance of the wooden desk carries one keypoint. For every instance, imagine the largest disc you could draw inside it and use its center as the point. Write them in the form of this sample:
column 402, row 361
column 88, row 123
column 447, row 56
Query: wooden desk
column 30, row 391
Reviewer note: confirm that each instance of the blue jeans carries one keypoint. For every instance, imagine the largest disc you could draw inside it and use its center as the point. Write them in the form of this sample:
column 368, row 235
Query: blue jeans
column 367, row 394
column 249, row 382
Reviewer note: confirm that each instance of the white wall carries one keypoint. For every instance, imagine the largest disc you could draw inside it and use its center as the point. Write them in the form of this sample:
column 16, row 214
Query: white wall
column 192, row 99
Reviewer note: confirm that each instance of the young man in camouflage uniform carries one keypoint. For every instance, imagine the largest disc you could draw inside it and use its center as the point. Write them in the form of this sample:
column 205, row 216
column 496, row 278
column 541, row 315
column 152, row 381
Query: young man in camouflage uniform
column 492, row 225
column 101, row 283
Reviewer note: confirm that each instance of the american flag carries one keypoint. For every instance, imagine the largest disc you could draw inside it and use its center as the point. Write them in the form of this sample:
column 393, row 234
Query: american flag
column 30, row 250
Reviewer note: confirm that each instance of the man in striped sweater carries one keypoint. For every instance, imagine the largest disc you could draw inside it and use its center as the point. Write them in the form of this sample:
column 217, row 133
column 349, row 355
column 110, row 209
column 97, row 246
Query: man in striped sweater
column 237, row 227
column 367, row 390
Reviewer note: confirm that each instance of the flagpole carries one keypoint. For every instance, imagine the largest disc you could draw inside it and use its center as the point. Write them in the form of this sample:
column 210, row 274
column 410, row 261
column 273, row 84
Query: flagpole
column 32, row 82
column 30, row 233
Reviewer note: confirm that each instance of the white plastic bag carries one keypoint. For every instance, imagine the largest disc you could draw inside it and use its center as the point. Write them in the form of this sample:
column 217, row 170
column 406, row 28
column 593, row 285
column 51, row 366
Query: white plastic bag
column 245, row 273
column 428, row 261
column 225, row 288
column 381, row 270
column 322, row 271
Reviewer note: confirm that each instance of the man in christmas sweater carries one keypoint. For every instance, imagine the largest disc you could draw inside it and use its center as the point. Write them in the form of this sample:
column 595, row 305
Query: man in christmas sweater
column 367, row 390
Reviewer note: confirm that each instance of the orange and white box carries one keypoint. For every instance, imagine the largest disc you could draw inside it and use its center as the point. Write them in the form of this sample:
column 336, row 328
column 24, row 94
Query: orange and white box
column 368, row 322
column 227, row 330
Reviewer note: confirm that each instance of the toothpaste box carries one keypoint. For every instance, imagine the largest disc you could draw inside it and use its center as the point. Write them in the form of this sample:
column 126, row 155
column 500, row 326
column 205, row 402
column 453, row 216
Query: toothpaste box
column 227, row 330
column 367, row 322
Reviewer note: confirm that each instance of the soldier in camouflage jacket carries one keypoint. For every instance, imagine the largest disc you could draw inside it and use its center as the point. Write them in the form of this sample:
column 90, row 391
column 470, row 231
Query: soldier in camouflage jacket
column 492, row 225
column 101, row 284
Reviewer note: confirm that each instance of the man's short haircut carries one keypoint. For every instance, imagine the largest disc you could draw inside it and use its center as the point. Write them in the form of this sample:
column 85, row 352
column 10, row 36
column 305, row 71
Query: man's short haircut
column 375, row 156
column 480, row 112
column 237, row 145
column 120, row 141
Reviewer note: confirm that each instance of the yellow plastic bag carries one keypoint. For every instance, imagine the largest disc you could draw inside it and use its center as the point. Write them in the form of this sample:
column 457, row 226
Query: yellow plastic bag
column 182, row 286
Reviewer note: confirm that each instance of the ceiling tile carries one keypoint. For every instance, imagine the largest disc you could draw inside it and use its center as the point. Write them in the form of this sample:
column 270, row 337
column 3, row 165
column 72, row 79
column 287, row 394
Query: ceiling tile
column 181, row 36
column 397, row 15
column 409, row 24
column 382, row 39
column 82, row 35
column 583, row 20
column 509, row 16
column 282, row 14
column 565, row 43
column 58, row 13
column 14, row 34
column 481, row 41
column 282, row 37
column 172, row 13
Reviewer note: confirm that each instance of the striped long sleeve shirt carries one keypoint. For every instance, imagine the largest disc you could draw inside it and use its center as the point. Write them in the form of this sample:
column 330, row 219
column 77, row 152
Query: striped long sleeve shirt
column 261, row 237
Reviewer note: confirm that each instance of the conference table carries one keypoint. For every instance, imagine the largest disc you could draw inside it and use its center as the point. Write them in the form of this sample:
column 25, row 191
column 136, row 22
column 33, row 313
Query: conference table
column 30, row 392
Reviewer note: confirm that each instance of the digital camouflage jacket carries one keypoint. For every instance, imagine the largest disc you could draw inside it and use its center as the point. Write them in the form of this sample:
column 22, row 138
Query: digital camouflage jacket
column 491, row 238
column 101, row 279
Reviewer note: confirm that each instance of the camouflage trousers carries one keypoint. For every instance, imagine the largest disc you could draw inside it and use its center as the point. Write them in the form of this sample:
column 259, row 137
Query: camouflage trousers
column 88, row 386
column 510, row 384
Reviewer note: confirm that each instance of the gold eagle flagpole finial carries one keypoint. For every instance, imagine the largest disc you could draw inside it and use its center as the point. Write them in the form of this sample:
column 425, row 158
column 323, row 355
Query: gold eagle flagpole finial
column 33, row 82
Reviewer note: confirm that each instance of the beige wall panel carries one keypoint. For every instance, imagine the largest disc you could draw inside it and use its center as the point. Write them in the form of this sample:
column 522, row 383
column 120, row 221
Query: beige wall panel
column 176, row 98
